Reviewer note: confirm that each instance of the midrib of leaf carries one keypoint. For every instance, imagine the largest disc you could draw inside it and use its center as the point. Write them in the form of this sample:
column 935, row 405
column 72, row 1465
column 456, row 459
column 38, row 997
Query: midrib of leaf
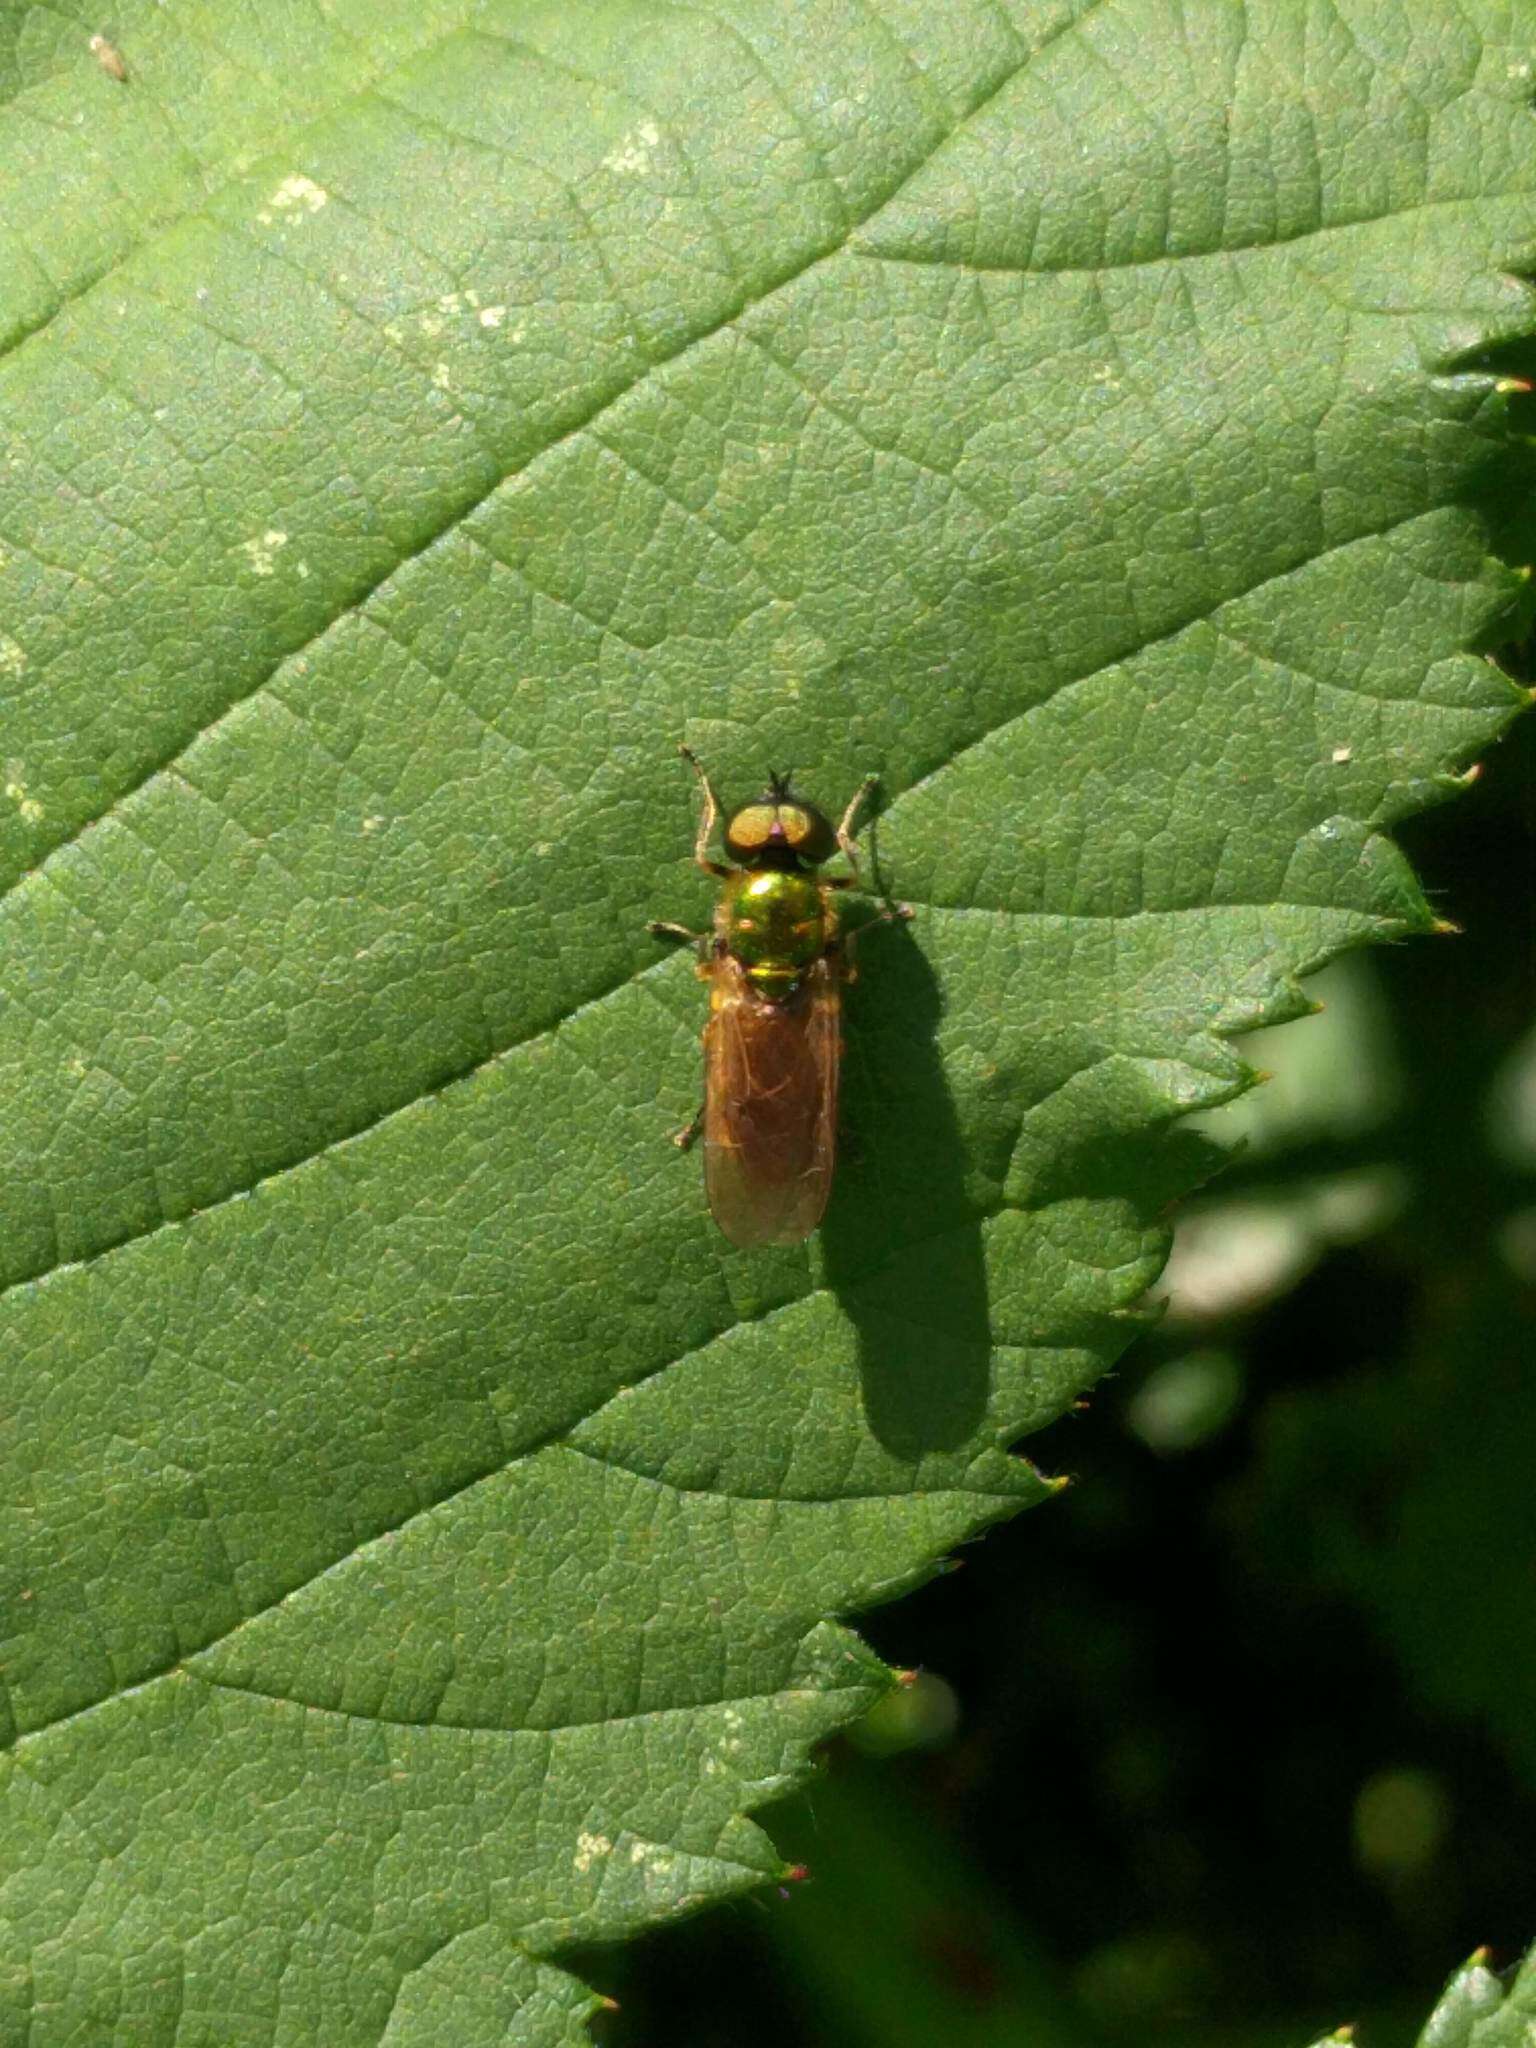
column 1259, row 960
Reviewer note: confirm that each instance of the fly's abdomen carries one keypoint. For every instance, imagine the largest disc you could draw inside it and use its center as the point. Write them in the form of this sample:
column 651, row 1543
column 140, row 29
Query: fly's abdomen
column 770, row 1103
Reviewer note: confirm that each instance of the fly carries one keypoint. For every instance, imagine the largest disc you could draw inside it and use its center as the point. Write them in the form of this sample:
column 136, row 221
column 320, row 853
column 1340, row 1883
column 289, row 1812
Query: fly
column 775, row 963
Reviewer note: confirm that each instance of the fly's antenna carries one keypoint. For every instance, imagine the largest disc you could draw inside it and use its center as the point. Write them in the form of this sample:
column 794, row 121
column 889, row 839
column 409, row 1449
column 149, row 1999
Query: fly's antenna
column 778, row 785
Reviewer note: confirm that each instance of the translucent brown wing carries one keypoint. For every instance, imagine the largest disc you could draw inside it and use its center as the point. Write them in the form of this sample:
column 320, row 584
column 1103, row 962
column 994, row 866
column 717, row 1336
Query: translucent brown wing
column 770, row 1103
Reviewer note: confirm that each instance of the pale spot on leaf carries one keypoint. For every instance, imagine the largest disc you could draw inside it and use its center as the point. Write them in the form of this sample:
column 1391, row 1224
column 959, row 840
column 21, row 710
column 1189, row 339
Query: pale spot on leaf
column 298, row 196
column 635, row 153
column 262, row 549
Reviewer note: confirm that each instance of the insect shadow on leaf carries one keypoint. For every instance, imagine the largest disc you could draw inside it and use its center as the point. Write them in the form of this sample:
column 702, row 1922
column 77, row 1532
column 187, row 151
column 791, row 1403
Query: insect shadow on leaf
column 902, row 1241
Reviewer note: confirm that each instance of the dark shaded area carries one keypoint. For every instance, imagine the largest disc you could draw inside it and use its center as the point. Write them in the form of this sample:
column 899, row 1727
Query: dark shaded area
column 1246, row 1737
column 922, row 1318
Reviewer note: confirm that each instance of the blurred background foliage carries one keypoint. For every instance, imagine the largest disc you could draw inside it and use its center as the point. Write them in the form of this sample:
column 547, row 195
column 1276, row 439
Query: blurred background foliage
column 1236, row 1740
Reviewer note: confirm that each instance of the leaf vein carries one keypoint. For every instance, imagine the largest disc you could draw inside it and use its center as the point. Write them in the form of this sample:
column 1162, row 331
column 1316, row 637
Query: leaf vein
column 467, row 1073
column 554, row 1440
column 779, row 1500
column 729, row 265
column 51, row 1274
column 470, row 502
column 536, row 1732
column 1203, row 616
column 920, row 261
column 721, row 26
column 211, row 178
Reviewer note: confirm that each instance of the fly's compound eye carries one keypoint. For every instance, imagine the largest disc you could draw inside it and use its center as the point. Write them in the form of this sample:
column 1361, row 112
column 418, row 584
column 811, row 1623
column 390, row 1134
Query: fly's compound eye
column 751, row 828
column 780, row 824
column 807, row 832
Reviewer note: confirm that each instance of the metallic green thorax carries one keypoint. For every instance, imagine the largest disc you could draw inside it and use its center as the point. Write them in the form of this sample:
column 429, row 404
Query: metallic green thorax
column 775, row 922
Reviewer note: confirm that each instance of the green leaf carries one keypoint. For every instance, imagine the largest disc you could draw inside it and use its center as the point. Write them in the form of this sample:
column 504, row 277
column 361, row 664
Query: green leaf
column 420, row 1531
column 898, row 1943
column 1476, row 2009
column 1465, row 2014
column 1407, row 1490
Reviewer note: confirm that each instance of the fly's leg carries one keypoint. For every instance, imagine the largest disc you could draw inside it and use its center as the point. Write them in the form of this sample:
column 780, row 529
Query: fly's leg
column 708, row 820
column 703, row 943
column 845, row 829
column 892, row 913
column 847, row 944
column 685, row 1137
column 662, row 927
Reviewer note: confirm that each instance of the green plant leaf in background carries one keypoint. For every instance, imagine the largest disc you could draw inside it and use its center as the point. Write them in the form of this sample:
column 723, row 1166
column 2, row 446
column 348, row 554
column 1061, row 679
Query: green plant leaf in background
column 1476, row 2010
column 1367, row 1481
column 420, row 1530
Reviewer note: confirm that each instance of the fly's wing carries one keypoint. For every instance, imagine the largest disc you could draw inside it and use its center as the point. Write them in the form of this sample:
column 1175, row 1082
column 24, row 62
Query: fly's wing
column 770, row 1104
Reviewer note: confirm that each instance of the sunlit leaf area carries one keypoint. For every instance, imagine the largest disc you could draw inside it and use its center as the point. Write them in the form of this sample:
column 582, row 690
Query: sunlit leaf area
column 449, row 1531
